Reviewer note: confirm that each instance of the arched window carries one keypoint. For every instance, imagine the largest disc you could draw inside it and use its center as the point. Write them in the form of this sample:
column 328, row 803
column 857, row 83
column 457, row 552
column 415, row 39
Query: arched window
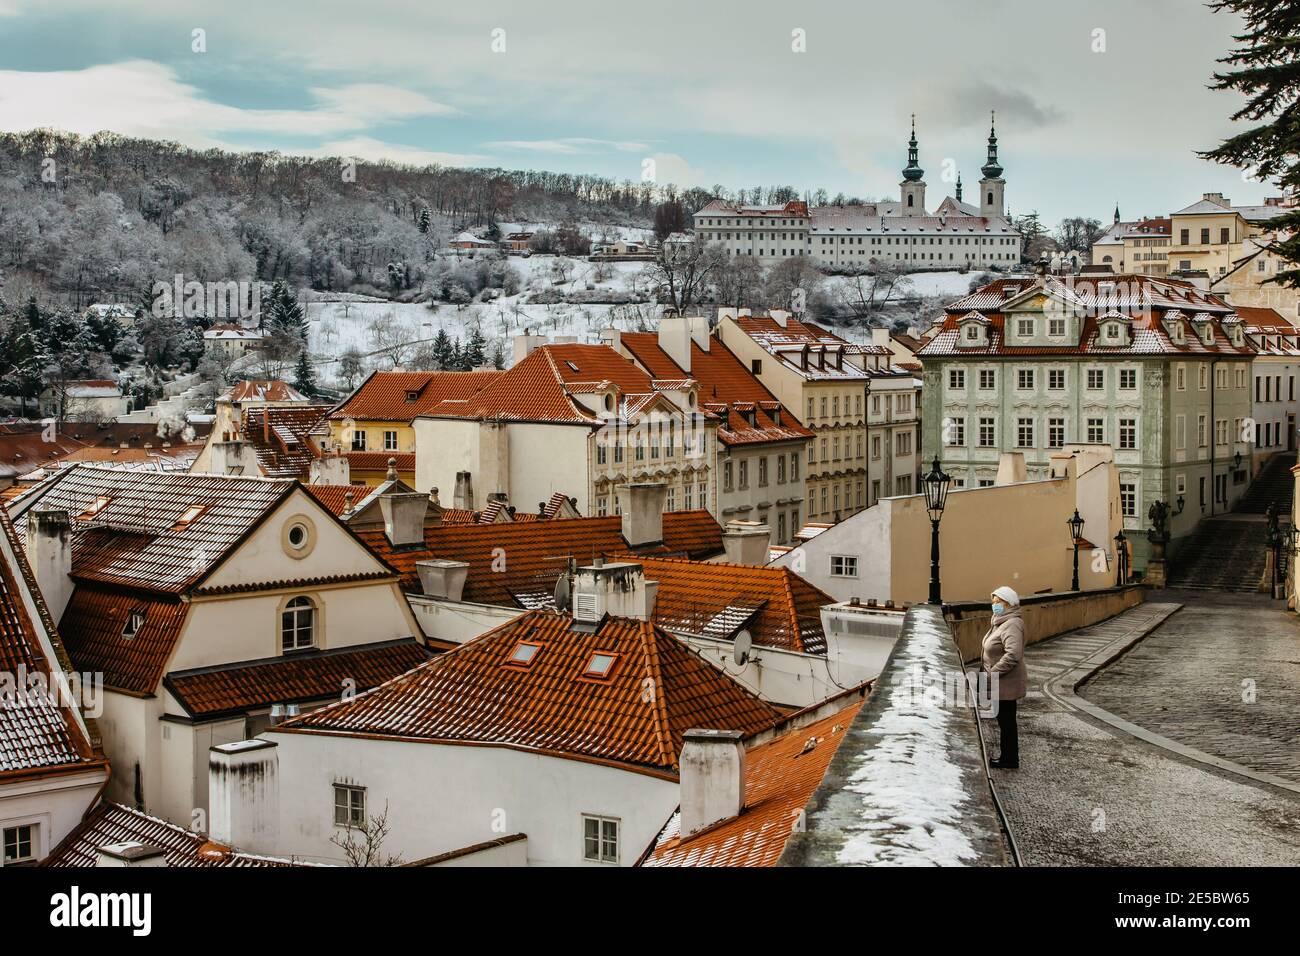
column 297, row 624
column 990, row 199
column 909, row 200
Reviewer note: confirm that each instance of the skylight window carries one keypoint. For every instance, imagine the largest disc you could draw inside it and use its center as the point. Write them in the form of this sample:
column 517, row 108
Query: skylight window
column 523, row 653
column 572, row 366
column 134, row 621
column 99, row 505
column 189, row 517
column 600, row 665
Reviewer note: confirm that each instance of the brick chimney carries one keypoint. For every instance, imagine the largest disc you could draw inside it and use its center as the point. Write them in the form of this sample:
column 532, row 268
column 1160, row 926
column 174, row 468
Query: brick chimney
column 642, row 504
column 49, row 552
column 712, row 778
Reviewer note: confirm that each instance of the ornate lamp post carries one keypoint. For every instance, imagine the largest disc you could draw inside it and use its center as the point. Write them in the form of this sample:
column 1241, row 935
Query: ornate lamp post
column 1076, row 531
column 1121, row 559
column 936, row 495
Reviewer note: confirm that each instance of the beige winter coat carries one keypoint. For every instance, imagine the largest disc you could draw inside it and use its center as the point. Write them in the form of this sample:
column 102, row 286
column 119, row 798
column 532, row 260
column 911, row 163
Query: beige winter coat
column 1004, row 654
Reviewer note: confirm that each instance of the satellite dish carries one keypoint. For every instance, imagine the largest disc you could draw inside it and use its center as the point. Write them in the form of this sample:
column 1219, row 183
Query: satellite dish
column 562, row 593
column 744, row 644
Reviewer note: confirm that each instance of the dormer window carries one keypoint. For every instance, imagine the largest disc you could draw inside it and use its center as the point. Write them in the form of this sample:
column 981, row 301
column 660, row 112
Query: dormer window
column 972, row 333
column 134, row 622
column 1025, row 328
column 600, row 665
column 99, row 504
column 412, row 396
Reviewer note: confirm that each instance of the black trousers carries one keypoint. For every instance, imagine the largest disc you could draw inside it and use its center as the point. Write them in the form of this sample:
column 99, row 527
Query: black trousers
column 1007, row 729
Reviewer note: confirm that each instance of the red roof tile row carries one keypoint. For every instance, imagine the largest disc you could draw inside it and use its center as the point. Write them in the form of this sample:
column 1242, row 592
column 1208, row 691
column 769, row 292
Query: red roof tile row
column 401, row 396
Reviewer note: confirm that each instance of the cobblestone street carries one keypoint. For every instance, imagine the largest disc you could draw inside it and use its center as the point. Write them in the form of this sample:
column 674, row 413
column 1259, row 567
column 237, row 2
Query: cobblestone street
column 1090, row 794
column 1192, row 679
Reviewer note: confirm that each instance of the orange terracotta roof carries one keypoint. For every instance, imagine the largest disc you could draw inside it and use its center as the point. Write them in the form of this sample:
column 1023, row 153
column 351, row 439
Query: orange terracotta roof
column 111, row 823
column 38, row 732
column 401, row 396
column 472, row 695
column 281, row 437
column 92, row 628
column 537, row 551
column 777, row 607
column 1266, row 319
column 23, row 449
column 780, row 777
column 378, row 460
column 302, row 677
column 334, row 497
column 263, row 390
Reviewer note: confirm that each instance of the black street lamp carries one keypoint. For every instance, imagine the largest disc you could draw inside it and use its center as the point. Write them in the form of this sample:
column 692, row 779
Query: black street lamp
column 1076, row 531
column 936, row 494
column 1121, row 559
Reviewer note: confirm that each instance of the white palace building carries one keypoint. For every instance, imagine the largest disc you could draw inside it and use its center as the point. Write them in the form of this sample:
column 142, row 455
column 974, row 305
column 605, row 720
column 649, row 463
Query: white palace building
column 955, row 235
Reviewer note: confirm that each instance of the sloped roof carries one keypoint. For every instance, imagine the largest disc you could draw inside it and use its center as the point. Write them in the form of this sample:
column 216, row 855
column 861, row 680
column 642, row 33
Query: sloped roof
column 110, row 823
column 537, row 551
column 780, row 777
column 378, row 460
column 305, row 676
column 334, row 497
column 471, row 694
column 93, row 624
column 786, row 344
column 263, row 390
column 777, row 607
column 38, row 731
column 401, row 396
column 281, row 437
column 127, row 528
column 727, row 389
column 23, row 448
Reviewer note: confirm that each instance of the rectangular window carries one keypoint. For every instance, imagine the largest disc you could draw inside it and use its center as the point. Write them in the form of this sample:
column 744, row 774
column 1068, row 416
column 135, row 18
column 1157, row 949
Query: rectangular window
column 599, row 839
column 1128, row 433
column 1128, row 378
column 602, row 453
column 988, row 379
column 1056, row 433
column 1096, row 430
column 1056, row 379
column 780, row 469
column 988, row 433
column 903, row 485
column 1180, row 431
column 744, row 474
column 18, row 844
column 762, row 472
column 844, row 566
column 1056, row 327
column 903, row 443
column 349, row 806
column 1024, row 433
column 358, row 440
column 1180, row 377
column 956, row 431
column 794, row 465
column 956, row 378
column 1202, row 431
column 1025, row 378
column 1025, row 328
column 1128, row 499
column 1096, row 378
column 390, row 440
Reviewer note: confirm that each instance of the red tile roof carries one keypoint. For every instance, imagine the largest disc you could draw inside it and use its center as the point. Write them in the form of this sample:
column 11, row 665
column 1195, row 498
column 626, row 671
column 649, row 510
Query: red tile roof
column 282, row 438
column 135, row 539
column 750, row 413
column 38, row 731
column 334, row 497
column 23, row 449
column 303, row 677
column 786, row 343
column 536, row 551
column 468, row 695
column 780, row 777
column 93, row 623
column 1266, row 319
column 110, row 823
column 263, row 390
column 378, row 460
column 777, row 607
column 401, row 396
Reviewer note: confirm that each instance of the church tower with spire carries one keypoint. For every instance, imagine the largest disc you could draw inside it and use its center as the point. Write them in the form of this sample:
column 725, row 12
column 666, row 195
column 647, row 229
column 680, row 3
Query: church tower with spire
column 913, row 184
column 992, row 186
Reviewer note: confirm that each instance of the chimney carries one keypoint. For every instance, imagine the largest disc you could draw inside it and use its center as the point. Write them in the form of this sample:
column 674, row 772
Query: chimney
column 700, row 331
column 442, row 578
column 49, row 552
column 330, row 469
column 1011, row 468
column 746, row 542
column 642, row 504
column 244, row 795
column 880, row 337
column 463, row 497
column 613, row 338
column 712, row 778
column 675, row 339
column 233, row 457
column 130, row 853
column 781, row 317
column 618, row 589
column 403, row 513
column 525, row 344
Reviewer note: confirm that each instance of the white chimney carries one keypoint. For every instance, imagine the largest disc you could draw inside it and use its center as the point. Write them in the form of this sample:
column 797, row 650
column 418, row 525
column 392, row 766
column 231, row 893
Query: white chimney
column 404, row 513
column 746, row 542
column 130, row 853
column 880, row 337
column 49, row 552
column 642, row 504
column 244, row 795
column 232, row 456
column 617, row 589
column 1011, row 468
column 675, row 339
column 700, row 331
column 463, row 497
column 525, row 344
column 712, row 778
column 781, row 317
column 442, row 578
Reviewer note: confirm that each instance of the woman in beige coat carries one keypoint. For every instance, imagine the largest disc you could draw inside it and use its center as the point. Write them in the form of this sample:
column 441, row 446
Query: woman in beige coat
column 1004, row 656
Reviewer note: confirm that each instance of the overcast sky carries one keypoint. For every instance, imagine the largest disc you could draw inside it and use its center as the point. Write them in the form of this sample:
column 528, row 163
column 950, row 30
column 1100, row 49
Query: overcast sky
column 710, row 89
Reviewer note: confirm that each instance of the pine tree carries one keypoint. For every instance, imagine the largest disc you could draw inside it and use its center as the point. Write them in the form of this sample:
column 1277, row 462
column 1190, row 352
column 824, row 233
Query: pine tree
column 475, row 349
column 498, row 355
column 1266, row 69
column 424, row 221
column 444, row 354
column 304, row 376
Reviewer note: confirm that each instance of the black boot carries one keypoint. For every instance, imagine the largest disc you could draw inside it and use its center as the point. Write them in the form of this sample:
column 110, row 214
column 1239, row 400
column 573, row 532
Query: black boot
column 1001, row 764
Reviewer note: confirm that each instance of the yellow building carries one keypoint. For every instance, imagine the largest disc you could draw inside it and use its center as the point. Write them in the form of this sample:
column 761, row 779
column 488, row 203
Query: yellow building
column 1248, row 283
column 374, row 423
column 1212, row 235
column 1134, row 248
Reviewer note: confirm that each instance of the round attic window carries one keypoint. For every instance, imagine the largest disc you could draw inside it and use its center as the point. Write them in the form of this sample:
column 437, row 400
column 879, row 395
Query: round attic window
column 298, row 537
column 609, row 403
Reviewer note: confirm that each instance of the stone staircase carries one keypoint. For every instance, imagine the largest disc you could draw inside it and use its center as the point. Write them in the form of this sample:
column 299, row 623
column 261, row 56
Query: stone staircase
column 1229, row 552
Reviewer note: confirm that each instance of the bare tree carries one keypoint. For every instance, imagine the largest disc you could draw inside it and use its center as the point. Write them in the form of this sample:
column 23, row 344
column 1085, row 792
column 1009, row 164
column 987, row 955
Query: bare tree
column 862, row 295
column 362, row 844
column 683, row 271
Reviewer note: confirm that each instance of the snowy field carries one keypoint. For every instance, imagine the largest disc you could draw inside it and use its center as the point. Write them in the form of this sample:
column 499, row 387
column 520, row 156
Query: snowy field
column 372, row 326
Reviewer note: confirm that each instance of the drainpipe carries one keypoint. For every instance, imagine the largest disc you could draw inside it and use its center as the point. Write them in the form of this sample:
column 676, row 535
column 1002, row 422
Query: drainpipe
column 1214, row 436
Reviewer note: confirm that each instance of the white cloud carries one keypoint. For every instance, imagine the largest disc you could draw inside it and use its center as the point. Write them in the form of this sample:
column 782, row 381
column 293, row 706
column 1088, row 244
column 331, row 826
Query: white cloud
column 142, row 98
column 568, row 146
column 364, row 147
